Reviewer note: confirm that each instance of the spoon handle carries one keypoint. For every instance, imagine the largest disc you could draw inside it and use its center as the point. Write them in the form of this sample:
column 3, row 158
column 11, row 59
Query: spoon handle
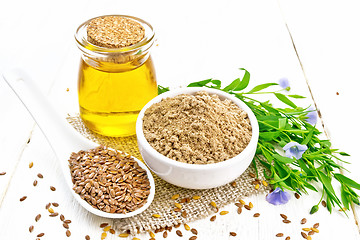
column 57, row 131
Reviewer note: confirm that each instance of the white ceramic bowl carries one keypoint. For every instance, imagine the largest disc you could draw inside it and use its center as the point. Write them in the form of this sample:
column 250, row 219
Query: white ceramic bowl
column 197, row 176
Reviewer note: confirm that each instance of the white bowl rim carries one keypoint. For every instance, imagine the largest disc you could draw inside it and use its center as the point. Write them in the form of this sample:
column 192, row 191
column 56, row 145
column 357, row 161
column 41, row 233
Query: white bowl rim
column 190, row 90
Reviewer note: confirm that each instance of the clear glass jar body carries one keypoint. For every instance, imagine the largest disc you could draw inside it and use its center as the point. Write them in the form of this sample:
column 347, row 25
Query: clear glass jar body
column 115, row 84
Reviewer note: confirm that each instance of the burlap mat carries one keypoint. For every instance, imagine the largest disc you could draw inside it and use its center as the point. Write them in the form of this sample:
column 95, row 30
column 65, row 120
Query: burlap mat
column 163, row 204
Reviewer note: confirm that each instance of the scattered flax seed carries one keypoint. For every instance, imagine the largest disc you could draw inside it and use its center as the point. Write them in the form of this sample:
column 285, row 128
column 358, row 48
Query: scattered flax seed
column 152, row 234
column 187, row 228
column 40, row 234
column 216, row 210
column 287, row 238
column 239, row 210
column 257, row 186
column 52, row 188
column 55, row 204
column 177, row 225
column 194, row 231
column 252, row 175
column 257, row 215
column 247, row 207
column 308, row 238
column 68, row 233
column 114, row 32
column 196, row 197
column 2, row 173
column 31, row 228
column 316, row 225
column 178, row 205
column 323, row 203
column 286, row 221
column 40, row 175
column 306, row 229
column 177, row 210
column 176, row 196
column 23, row 198
column 35, row 183
column 311, row 233
column 297, row 196
column 107, row 228
column 179, row 233
column 304, row 235
column 213, row 218
column 67, row 89
column 87, row 237
column 279, row 235
column 265, row 183
column 233, row 184
column 165, row 234
column 315, row 230
column 37, row 218
column 123, row 235
column 55, row 214
column 156, row 215
column 283, row 216
column 67, row 221
column 233, row 234
column 31, row 164
column 224, row 212
column 51, row 210
column 65, row 225
column 103, row 235
column 213, row 204
column 47, row 206
column 193, row 238
column 303, row 221
column 238, row 205
column 184, row 214
column 251, row 205
column 242, row 202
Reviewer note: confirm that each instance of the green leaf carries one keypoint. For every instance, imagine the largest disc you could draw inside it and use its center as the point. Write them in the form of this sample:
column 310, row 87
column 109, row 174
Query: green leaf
column 308, row 137
column 295, row 96
column 200, row 83
column 215, row 84
column 344, row 154
column 261, row 87
column 345, row 180
column 269, row 136
column 329, row 204
column 162, row 89
column 244, row 82
column 282, row 123
column 285, row 100
column 344, row 197
column 232, row 85
column 283, row 159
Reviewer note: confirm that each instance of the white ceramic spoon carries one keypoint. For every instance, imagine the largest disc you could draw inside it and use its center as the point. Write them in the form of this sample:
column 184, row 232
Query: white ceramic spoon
column 61, row 136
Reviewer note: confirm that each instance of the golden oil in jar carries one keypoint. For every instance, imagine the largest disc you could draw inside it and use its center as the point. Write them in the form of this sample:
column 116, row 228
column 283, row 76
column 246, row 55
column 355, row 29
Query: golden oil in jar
column 115, row 81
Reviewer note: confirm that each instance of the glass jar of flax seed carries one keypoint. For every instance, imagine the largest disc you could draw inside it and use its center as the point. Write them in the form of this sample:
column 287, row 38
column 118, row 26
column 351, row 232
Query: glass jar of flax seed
column 116, row 75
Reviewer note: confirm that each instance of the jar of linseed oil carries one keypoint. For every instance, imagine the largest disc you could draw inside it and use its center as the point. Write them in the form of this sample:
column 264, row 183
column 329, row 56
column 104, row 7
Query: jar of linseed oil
column 116, row 75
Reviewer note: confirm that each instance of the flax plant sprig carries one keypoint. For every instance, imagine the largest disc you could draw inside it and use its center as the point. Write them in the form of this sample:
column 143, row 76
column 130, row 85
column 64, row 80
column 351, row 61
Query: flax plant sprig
column 289, row 146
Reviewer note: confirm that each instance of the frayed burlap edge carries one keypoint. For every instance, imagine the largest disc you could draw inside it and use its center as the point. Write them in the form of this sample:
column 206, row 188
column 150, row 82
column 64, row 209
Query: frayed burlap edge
column 163, row 204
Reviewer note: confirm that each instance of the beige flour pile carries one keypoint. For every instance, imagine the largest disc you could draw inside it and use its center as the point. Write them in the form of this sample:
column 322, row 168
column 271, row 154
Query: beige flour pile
column 197, row 129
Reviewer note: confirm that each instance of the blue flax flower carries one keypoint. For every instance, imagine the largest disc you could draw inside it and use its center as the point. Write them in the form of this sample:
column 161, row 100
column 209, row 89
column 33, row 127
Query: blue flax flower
column 294, row 149
column 278, row 197
column 311, row 116
column 284, row 83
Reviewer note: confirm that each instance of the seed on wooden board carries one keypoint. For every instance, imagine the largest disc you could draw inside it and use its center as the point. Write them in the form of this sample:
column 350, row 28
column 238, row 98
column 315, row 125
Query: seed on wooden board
column 257, row 215
column 123, row 235
column 213, row 204
column 224, row 212
column 135, row 238
column 238, row 205
column 233, row 234
column 216, row 210
column 287, row 238
column 311, row 232
column 183, row 214
column 47, row 205
column 286, row 221
column 112, row 231
column 308, row 238
column 40, row 175
column 283, row 216
column 303, row 221
column 179, row 233
column 315, row 230
column 165, row 234
column 177, row 225
column 37, row 218
column 279, row 235
column 31, row 164
column 251, row 205
column 23, row 198
column 316, row 225
column 40, row 234
column 297, row 196
column 323, row 203
column 107, row 228
column 62, row 217
column 193, row 238
column 242, row 202
column 55, row 204
column 68, row 233
column 239, row 210
column 65, row 225
column 304, row 235
column 87, row 237
column 102, row 225
column 213, row 218
column 54, row 214
column 152, row 239
column 194, row 231
column 31, row 228
column 35, row 183
column 2, row 173
column 52, row 188
column 247, row 207
column 306, row 229
column 50, row 210
column 156, row 215
column 175, row 196
column 187, row 228
column 67, row 221
column 103, row 235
